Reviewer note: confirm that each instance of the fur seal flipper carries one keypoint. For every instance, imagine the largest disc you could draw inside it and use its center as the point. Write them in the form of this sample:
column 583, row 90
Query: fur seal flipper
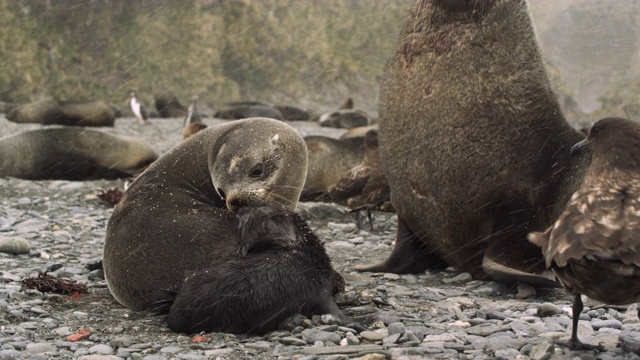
column 174, row 220
column 283, row 269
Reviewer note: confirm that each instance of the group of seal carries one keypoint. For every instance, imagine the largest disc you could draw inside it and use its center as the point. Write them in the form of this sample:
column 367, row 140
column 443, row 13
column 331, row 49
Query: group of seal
column 473, row 142
column 72, row 154
column 176, row 221
column 593, row 247
column 74, row 113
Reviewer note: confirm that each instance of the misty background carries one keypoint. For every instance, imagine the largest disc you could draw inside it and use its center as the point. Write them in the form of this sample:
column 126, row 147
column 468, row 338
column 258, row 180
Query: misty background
column 311, row 54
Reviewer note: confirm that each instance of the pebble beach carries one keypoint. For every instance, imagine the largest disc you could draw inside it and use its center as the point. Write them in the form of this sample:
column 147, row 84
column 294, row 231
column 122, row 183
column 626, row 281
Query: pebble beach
column 59, row 227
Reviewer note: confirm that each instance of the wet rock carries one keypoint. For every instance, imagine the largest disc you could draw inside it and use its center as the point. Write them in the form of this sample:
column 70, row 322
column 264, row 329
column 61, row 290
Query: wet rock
column 549, row 309
column 313, row 335
column 14, row 245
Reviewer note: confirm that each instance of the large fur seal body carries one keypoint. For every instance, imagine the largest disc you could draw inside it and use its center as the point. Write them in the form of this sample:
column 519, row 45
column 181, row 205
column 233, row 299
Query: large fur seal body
column 72, row 154
column 282, row 269
column 174, row 221
column 473, row 141
column 75, row 113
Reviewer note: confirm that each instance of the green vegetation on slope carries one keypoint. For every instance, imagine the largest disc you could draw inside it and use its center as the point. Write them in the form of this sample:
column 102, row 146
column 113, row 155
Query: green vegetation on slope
column 272, row 50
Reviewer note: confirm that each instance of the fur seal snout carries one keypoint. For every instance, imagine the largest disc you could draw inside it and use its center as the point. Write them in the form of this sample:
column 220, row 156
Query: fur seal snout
column 283, row 269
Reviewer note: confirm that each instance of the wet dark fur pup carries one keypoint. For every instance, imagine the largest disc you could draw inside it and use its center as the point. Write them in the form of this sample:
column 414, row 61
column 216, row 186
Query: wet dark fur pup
column 285, row 269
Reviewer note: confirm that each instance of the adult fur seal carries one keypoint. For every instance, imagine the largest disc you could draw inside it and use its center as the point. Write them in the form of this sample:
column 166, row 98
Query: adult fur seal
column 72, row 154
column 282, row 269
column 473, row 141
column 76, row 113
column 174, row 220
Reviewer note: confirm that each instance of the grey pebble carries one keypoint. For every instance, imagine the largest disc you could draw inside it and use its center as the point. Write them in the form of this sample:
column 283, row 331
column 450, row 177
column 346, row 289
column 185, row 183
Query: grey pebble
column 39, row 348
column 352, row 339
column 14, row 245
column 541, row 351
column 290, row 340
column 549, row 309
column 598, row 324
column 462, row 277
column 312, row 336
column 372, row 335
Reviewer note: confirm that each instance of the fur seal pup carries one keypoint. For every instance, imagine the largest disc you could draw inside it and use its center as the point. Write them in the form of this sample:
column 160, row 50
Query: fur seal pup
column 168, row 105
column 593, row 246
column 473, row 142
column 71, row 113
column 282, row 269
column 193, row 128
column 174, row 219
column 72, row 154
column 138, row 108
column 329, row 159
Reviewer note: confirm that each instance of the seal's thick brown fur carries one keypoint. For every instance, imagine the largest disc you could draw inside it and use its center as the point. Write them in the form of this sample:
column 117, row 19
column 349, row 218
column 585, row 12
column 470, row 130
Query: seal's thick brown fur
column 473, row 141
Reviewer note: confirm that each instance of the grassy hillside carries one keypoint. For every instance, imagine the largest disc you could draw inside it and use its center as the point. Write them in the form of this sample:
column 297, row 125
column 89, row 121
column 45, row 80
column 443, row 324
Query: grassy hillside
column 298, row 52
column 308, row 53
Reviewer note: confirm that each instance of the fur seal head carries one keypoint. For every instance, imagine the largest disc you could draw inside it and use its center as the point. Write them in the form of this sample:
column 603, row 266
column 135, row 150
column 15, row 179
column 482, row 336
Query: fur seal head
column 250, row 172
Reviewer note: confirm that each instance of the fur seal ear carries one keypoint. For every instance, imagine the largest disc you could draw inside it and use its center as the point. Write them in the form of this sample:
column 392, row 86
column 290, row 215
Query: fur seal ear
column 274, row 140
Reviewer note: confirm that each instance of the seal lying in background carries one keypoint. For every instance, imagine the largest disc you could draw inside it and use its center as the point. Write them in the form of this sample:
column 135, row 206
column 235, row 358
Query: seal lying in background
column 72, row 154
column 243, row 110
column 282, row 269
column 345, row 117
column 75, row 113
column 167, row 104
column 329, row 159
column 473, row 142
column 175, row 219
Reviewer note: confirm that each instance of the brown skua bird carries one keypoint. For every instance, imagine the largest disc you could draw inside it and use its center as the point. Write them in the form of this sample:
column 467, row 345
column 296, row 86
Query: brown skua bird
column 594, row 246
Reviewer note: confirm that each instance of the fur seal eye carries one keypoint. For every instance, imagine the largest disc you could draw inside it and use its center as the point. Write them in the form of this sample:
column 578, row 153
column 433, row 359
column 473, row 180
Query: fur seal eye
column 257, row 171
